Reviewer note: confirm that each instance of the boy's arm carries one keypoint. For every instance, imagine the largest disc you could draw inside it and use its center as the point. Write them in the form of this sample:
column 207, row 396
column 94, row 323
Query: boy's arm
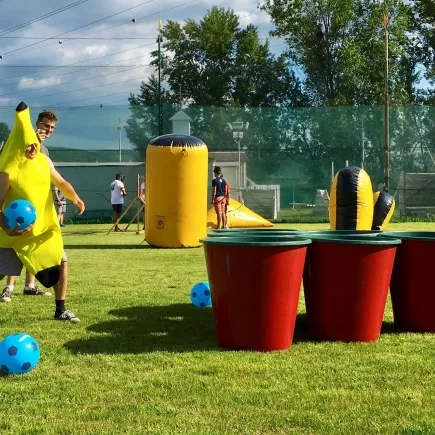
column 65, row 187
column 123, row 191
column 213, row 193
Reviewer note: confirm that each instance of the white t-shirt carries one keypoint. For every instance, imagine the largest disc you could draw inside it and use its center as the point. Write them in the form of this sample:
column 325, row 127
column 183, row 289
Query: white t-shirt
column 115, row 192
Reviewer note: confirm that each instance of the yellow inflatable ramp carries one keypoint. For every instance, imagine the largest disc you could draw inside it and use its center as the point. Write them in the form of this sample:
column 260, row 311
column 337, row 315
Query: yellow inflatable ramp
column 238, row 216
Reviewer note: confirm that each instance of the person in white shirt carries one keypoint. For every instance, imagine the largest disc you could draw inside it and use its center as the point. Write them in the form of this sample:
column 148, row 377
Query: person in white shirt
column 142, row 191
column 117, row 195
column 142, row 197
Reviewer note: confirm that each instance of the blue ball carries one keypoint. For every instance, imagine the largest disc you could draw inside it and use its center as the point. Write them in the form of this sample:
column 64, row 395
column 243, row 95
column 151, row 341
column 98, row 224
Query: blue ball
column 19, row 353
column 20, row 212
column 200, row 294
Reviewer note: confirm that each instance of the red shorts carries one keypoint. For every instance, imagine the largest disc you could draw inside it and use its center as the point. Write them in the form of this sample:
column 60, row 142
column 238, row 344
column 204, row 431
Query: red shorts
column 219, row 204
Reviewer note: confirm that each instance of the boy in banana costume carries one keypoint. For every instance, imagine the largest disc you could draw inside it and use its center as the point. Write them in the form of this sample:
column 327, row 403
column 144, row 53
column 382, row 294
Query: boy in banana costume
column 26, row 173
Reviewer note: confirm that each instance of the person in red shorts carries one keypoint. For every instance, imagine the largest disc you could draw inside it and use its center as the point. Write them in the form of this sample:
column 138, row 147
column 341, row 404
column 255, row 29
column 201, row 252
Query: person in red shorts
column 219, row 197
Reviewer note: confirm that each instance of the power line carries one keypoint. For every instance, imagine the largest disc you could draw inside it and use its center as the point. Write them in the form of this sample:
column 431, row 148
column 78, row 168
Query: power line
column 82, row 61
column 71, row 72
column 123, row 24
column 82, row 89
column 67, row 66
column 66, row 39
column 77, row 28
column 68, row 83
column 92, row 98
column 42, row 17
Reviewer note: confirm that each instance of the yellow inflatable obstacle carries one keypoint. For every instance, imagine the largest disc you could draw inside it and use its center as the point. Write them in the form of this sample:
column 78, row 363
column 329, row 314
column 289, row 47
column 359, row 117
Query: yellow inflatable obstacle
column 176, row 191
column 40, row 250
column 383, row 210
column 238, row 216
column 351, row 201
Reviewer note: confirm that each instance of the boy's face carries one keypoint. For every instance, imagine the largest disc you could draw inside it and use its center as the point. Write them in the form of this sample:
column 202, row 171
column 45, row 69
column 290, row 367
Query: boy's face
column 45, row 128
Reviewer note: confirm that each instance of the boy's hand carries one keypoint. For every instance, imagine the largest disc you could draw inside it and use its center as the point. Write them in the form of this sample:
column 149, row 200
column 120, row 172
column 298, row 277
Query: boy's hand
column 80, row 204
column 12, row 232
column 41, row 133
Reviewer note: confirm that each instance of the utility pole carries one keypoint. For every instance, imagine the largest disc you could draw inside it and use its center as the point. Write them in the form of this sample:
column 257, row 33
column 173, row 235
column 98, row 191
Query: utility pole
column 386, row 109
column 120, row 139
column 362, row 143
column 159, row 38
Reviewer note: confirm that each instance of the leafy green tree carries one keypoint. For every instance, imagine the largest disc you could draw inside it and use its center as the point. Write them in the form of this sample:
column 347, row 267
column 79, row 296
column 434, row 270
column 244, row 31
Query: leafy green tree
column 424, row 36
column 218, row 72
column 339, row 45
column 4, row 132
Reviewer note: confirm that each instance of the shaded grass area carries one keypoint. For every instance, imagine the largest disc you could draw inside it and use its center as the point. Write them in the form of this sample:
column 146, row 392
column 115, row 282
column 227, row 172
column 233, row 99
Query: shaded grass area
column 144, row 360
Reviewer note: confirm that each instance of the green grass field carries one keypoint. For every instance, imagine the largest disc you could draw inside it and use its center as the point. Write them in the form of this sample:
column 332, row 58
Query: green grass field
column 144, row 360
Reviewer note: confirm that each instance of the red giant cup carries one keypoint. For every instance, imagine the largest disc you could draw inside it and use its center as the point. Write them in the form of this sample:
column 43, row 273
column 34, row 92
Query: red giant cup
column 412, row 284
column 346, row 282
column 255, row 285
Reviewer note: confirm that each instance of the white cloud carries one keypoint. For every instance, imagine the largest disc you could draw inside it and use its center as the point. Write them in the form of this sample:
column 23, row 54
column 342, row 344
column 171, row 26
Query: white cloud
column 30, row 83
column 95, row 50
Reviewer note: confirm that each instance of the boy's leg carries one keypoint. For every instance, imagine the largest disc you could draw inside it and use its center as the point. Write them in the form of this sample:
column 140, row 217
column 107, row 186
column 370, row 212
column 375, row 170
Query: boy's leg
column 117, row 210
column 62, row 216
column 31, row 289
column 60, row 290
column 218, row 215
column 224, row 220
column 10, row 266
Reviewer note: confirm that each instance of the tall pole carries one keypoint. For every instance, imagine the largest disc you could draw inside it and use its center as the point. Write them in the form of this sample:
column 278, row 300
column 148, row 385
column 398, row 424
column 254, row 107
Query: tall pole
column 159, row 26
column 240, row 168
column 386, row 112
column 119, row 142
column 362, row 143
column 293, row 196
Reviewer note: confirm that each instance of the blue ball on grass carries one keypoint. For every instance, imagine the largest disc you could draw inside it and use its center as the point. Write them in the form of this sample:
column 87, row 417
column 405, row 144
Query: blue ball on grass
column 19, row 354
column 200, row 294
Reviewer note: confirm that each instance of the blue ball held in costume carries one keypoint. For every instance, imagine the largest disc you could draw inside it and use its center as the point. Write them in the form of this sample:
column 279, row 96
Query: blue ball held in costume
column 20, row 212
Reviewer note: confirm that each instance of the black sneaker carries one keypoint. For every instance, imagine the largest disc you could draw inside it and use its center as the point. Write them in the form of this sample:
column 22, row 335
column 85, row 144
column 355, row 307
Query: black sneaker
column 68, row 316
column 35, row 291
column 6, row 294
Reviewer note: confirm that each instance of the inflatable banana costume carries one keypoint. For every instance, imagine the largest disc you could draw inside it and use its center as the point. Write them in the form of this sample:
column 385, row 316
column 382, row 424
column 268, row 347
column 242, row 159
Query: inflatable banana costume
column 40, row 250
